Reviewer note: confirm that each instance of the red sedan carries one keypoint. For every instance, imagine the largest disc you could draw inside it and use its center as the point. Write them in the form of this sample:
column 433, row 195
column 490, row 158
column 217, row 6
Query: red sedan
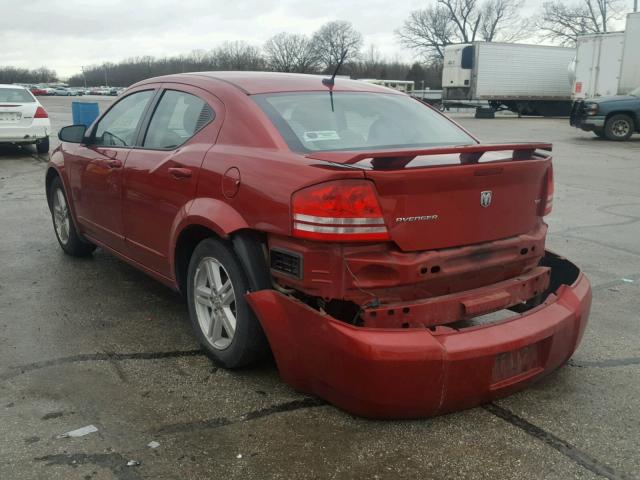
column 360, row 235
column 37, row 91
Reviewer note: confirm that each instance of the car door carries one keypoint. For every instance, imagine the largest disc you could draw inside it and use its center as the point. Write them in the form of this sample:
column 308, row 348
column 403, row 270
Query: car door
column 161, row 173
column 95, row 169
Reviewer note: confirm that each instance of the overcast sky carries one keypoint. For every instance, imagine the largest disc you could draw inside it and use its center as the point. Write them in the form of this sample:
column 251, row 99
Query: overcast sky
column 66, row 34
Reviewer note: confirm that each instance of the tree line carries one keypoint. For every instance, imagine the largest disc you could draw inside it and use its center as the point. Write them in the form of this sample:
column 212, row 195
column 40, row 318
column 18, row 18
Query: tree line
column 24, row 75
column 426, row 31
column 284, row 52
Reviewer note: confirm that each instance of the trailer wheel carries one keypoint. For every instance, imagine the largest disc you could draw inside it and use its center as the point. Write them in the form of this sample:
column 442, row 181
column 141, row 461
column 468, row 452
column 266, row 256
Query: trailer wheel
column 619, row 127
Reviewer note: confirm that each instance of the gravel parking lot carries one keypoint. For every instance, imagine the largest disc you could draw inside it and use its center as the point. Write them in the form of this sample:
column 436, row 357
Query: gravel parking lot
column 94, row 341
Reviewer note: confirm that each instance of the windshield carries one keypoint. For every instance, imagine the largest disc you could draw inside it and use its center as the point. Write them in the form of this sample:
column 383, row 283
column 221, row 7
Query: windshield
column 358, row 121
column 635, row 92
column 15, row 95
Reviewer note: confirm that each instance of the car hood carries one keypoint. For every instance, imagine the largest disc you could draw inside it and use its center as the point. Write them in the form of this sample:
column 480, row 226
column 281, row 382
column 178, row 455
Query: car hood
column 613, row 98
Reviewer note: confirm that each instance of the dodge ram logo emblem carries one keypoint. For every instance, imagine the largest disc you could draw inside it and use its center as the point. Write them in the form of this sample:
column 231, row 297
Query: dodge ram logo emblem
column 485, row 198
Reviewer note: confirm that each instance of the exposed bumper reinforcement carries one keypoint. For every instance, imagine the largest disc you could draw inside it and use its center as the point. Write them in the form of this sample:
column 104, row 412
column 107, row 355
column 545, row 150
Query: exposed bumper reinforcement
column 409, row 373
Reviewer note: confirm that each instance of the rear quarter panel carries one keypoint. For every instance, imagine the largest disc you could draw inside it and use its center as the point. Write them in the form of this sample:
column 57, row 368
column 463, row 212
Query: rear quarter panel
column 267, row 179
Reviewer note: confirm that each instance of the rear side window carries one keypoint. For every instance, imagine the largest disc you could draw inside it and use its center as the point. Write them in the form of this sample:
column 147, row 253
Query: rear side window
column 15, row 95
column 119, row 125
column 177, row 118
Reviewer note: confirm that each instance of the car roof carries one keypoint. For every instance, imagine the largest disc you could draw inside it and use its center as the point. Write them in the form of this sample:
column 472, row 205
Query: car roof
column 272, row 82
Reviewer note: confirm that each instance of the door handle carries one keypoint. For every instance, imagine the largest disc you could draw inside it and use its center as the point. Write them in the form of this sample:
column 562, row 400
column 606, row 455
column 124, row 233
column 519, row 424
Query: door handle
column 114, row 163
column 178, row 172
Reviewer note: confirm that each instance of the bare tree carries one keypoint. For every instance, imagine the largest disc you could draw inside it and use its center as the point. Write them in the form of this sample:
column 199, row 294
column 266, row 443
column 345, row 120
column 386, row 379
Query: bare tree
column 563, row 22
column 428, row 31
column 465, row 15
column 333, row 39
column 460, row 21
column 501, row 21
column 371, row 63
column 238, row 56
column 372, row 55
column 286, row 52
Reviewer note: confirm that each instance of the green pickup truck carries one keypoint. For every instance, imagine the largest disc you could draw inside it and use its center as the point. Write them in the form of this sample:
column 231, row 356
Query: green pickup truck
column 614, row 118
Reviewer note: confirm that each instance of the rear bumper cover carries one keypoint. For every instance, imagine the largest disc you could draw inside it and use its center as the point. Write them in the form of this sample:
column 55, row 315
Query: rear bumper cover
column 409, row 373
column 24, row 134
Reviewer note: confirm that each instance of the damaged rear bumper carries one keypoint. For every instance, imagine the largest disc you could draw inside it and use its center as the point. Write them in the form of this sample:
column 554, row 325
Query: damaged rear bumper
column 419, row 372
column 29, row 134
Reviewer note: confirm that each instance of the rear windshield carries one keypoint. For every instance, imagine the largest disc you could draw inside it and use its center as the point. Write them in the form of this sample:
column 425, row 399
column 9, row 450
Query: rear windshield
column 311, row 121
column 15, row 95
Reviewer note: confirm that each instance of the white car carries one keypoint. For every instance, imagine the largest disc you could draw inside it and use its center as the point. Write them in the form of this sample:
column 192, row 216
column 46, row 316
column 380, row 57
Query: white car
column 23, row 120
column 62, row 91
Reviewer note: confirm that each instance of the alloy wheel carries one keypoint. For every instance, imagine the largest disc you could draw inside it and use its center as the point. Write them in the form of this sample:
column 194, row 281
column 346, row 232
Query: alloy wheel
column 61, row 221
column 215, row 303
column 620, row 128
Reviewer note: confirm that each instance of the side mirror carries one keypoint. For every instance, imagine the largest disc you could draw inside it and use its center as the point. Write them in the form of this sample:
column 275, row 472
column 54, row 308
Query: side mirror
column 72, row 133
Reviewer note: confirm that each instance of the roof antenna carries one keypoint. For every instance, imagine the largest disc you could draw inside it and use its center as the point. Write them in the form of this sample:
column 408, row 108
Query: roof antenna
column 330, row 82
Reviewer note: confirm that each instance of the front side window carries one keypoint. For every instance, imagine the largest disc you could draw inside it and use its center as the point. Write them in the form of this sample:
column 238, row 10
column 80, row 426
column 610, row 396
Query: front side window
column 313, row 121
column 177, row 118
column 119, row 126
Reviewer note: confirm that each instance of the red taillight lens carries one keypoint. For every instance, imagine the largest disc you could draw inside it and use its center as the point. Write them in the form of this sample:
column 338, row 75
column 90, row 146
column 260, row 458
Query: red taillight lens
column 344, row 210
column 41, row 113
column 548, row 197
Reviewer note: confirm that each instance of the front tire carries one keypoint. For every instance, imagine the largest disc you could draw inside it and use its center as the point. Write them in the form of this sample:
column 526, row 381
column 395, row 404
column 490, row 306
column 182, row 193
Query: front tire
column 66, row 233
column 619, row 127
column 221, row 318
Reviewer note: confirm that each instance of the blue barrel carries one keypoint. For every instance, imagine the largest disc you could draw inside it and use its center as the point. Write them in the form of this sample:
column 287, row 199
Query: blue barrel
column 84, row 113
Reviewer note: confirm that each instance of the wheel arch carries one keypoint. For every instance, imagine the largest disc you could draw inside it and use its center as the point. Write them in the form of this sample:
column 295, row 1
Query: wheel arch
column 51, row 174
column 630, row 113
column 229, row 226
column 187, row 240
column 54, row 171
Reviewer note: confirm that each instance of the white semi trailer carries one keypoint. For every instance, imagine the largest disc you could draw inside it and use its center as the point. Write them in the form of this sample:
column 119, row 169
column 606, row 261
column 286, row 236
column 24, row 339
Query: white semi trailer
column 608, row 63
column 526, row 79
column 596, row 71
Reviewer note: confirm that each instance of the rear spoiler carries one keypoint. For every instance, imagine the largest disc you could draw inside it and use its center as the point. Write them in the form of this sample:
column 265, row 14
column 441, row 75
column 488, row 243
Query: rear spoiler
column 399, row 158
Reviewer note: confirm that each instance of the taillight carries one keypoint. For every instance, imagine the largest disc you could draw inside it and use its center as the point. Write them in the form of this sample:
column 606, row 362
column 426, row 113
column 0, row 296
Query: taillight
column 41, row 113
column 343, row 210
column 548, row 196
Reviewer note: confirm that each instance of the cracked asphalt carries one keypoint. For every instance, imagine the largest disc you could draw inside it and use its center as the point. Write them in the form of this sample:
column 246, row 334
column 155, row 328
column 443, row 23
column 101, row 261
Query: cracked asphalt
column 94, row 341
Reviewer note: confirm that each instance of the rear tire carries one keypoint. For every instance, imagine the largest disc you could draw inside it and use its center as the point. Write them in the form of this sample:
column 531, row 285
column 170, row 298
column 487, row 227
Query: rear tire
column 220, row 316
column 66, row 233
column 619, row 127
column 42, row 146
